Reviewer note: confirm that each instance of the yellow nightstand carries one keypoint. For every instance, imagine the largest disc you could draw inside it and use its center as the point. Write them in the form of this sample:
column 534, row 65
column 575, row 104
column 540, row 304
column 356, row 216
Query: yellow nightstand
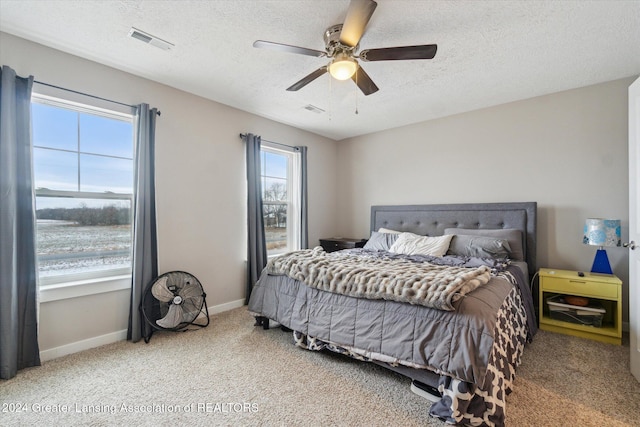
column 605, row 289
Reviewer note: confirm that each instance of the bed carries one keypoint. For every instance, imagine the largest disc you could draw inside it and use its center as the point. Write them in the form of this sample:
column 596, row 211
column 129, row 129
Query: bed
column 455, row 319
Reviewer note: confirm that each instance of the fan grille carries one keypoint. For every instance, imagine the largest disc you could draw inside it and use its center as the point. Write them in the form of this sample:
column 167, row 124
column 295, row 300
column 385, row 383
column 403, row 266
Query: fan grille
column 173, row 301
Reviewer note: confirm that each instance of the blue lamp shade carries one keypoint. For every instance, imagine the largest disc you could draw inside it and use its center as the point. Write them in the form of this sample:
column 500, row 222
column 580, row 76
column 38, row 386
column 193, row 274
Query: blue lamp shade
column 602, row 232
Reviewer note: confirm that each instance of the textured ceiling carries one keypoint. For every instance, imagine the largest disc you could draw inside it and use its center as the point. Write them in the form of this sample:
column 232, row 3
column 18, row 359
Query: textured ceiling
column 489, row 52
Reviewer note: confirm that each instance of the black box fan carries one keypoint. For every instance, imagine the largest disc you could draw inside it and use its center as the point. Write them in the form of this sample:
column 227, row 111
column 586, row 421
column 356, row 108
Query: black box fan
column 173, row 302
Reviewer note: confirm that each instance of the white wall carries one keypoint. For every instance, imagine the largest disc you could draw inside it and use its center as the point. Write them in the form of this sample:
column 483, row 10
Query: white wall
column 200, row 184
column 567, row 151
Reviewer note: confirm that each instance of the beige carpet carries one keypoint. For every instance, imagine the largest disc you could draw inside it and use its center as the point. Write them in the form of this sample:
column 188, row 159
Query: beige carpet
column 232, row 373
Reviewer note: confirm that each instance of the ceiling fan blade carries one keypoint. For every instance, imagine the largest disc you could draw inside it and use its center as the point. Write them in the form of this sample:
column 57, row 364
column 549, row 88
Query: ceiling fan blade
column 288, row 48
column 364, row 82
column 308, row 79
column 356, row 21
column 426, row 51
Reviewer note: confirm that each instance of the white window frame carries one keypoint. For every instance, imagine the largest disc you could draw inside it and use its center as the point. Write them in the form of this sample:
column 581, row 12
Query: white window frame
column 294, row 191
column 53, row 288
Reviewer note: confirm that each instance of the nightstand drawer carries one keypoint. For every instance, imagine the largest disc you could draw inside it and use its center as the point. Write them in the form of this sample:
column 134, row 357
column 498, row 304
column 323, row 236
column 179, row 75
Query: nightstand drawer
column 339, row 243
column 580, row 287
column 329, row 245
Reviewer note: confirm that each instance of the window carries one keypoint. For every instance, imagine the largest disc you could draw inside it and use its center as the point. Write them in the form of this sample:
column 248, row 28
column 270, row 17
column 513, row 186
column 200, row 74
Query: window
column 83, row 179
column 280, row 171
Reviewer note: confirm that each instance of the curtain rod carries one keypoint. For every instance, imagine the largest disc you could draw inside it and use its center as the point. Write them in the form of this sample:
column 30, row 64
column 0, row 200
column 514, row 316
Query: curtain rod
column 242, row 135
column 86, row 94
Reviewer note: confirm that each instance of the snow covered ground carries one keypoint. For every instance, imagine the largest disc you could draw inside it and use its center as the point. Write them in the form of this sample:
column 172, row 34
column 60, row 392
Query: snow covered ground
column 66, row 248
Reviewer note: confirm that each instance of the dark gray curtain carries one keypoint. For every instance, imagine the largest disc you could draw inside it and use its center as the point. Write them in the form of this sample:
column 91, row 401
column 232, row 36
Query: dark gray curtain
column 145, row 240
column 304, row 226
column 18, row 268
column 256, row 245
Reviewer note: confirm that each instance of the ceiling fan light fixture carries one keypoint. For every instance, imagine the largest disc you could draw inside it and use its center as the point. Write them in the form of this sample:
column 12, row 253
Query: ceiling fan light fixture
column 343, row 67
column 342, row 48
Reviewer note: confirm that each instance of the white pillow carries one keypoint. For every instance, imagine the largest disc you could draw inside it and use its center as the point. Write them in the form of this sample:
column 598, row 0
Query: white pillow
column 413, row 244
column 386, row 230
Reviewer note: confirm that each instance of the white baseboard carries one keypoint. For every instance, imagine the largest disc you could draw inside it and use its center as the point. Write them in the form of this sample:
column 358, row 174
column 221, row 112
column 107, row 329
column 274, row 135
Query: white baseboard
column 112, row 337
column 225, row 307
column 74, row 347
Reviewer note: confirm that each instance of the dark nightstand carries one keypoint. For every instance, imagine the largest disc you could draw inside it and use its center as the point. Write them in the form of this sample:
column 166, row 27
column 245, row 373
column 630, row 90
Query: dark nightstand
column 331, row 244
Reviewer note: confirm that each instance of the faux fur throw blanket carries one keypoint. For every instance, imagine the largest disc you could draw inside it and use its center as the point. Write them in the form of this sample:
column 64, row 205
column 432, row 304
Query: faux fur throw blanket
column 402, row 280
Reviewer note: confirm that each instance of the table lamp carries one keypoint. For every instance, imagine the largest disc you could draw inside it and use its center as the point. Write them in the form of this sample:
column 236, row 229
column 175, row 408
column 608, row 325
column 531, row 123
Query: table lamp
column 602, row 232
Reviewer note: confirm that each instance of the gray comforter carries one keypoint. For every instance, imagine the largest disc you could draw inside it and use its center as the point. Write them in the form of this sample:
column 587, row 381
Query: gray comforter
column 475, row 348
column 454, row 343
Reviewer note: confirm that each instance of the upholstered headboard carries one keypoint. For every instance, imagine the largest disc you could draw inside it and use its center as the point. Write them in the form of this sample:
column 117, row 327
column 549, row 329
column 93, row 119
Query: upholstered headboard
column 432, row 220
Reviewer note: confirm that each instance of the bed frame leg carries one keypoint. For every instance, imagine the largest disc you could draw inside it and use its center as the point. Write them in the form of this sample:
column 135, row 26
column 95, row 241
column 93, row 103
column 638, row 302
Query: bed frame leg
column 424, row 390
column 262, row 321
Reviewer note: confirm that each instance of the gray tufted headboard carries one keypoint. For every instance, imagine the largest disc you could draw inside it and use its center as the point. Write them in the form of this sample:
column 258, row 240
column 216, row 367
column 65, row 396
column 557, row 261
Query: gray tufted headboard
column 433, row 219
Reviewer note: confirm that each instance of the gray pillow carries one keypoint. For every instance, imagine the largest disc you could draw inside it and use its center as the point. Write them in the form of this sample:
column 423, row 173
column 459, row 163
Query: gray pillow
column 479, row 246
column 381, row 241
column 511, row 235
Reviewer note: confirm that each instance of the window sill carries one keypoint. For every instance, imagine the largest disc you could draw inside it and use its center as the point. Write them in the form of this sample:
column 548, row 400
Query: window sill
column 82, row 288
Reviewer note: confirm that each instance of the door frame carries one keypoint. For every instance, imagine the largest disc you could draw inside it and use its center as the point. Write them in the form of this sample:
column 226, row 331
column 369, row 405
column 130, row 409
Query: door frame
column 634, row 227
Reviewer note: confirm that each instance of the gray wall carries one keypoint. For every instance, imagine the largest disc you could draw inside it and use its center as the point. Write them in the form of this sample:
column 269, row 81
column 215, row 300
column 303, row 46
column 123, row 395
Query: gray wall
column 567, row 151
column 200, row 185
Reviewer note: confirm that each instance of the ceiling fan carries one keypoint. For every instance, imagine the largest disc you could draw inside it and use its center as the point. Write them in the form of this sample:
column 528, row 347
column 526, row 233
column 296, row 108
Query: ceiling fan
column 341, row 44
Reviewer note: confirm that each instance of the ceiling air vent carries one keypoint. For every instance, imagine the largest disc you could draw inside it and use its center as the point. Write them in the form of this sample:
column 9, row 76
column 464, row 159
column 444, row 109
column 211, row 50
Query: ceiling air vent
column 313, row 108
column 135, row 33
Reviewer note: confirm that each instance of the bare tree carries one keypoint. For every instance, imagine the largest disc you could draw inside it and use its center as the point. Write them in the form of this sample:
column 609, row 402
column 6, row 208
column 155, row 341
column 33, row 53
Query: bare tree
column 277, row 191
column 275, row 214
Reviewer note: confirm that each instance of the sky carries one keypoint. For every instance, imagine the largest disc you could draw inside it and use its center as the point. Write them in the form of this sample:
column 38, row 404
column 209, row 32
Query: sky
column 274, row 170
column 97, row 156
column 78, row 151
